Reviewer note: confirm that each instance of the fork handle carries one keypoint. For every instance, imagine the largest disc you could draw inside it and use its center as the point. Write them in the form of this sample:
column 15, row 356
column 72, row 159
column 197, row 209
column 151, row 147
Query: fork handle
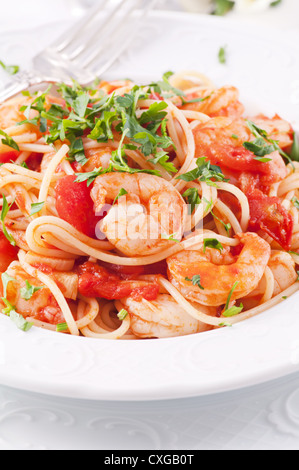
column 21, row 82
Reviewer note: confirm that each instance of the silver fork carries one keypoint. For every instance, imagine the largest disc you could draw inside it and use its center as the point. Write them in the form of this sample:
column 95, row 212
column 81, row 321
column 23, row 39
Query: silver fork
column 88, row 49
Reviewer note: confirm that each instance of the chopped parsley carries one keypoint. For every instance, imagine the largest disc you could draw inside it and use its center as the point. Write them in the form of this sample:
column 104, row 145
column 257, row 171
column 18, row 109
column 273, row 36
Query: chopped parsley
column 234, row 310
column 227, row 227
column 260, row 147
column 193, row 199
column 9, row 141
column 36, row 208
column 5, row 209
column 28, row 291
column 15, row 317
column 295, row 149
column 205, row 172
column 275, row 3
column 222, row 55
column 121, row 193
column 230, row 295
column 212, row 243
column 89, row 177
column 173, row 237
column 62, row 327
column 122, row 314
column 9, row 310
column 196, row 281
column 20, row 321
column 295, row 202
column 222, row 7
column 10, row 69
column 164, row 88
column 86, row 112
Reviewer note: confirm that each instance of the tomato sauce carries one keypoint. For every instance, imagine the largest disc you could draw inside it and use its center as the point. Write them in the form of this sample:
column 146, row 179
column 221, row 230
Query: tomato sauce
column 97, row 281
column 75, row 206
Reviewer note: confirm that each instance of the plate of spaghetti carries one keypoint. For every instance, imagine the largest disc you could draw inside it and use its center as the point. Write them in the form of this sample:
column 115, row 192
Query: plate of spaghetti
column 145, row 226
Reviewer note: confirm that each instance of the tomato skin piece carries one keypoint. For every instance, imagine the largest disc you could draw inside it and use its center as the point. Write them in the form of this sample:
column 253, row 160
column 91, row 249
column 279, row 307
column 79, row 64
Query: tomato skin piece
column 124, row 272
column 34, row 161
column 75, row 206
column 218, row 146
column 8, row 253
column 96, row 281
column 7, row 157
column 268, row 214
column 131, row 272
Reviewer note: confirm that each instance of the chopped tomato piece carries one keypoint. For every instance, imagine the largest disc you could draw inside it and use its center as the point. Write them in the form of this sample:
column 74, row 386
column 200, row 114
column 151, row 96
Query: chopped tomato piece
column 268, row 214
column 8, row 253
column 96, row 281
column 218, row 145
column 75, row 206
column 124, row 272
column 50, row 314
column 7, row 157
column 34, row 161
column 130, row 272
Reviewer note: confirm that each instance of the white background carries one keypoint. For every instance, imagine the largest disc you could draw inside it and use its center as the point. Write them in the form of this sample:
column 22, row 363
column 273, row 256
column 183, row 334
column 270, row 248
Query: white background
column 263, row 417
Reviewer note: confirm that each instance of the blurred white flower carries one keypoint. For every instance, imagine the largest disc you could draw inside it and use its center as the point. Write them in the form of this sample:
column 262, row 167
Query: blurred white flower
column 241, row 6
column 198, row 6
column 246, row 6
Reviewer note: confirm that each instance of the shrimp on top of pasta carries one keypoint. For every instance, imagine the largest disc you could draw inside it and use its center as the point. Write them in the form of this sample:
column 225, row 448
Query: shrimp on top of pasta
column 144, row 211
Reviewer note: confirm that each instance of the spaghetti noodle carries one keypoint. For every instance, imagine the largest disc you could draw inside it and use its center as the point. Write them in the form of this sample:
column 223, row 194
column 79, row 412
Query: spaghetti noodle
column 150, row 211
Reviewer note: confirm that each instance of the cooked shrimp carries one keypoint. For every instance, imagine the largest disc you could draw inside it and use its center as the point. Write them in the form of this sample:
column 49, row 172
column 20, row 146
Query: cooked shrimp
column 221, row 102
column 217, row 276
column 42, row 305
column 149, row 216
column 277, row 128
column 283, row 268
column 10, row 113
column 221, row 141
column 162, row 318
column 97, row 158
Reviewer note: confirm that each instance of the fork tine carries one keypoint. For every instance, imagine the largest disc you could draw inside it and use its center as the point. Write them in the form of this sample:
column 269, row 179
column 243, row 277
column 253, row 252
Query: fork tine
column 112, row 23
column 99, row 67
column 91, row 61
column 68, row 37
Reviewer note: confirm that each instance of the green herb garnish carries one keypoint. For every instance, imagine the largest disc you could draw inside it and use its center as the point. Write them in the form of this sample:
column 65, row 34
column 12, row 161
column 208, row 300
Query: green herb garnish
column 10, row 69
column 204, row 172
column 36, row 208
column 61, row 327
column 222, row 55
column 28, row 291
column 193, row 199
column 5, row 209
column 122, row 314
column 196, row 281
column 212, row 243
column 9, row 141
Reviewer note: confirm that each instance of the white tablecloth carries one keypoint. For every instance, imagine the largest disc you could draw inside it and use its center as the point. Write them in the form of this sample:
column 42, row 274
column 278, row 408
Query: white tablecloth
column 262, row 417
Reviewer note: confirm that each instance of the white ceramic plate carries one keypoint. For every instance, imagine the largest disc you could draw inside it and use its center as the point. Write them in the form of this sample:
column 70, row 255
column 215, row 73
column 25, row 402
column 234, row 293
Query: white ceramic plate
column 266, row 71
